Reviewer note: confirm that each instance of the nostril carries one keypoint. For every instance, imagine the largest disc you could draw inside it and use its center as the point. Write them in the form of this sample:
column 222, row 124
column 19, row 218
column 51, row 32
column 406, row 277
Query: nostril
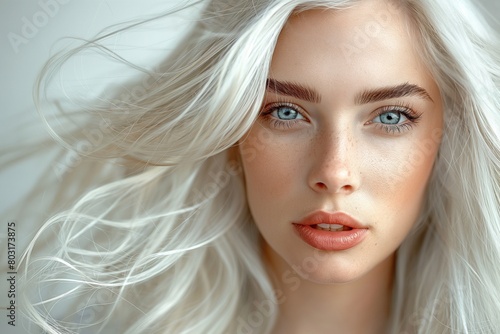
column 321, row 185
column 347, row 187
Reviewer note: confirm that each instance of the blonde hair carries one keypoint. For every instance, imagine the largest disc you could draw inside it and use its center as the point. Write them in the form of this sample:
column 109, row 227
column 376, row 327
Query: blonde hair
column 165, row 241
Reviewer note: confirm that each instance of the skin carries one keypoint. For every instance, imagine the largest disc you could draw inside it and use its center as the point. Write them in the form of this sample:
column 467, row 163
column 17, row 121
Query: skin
column 336, row 155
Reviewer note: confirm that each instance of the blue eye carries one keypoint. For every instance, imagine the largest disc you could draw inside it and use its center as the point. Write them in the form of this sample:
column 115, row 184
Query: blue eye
column 286, row 113
column 390, row 118
column 396, row 118
column 283, row 115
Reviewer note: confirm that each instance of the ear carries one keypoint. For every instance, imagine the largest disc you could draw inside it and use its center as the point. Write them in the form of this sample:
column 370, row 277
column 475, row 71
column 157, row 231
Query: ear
column 233, row 153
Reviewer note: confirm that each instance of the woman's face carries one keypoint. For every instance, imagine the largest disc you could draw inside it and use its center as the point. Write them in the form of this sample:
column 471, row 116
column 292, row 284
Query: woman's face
column 350, row 124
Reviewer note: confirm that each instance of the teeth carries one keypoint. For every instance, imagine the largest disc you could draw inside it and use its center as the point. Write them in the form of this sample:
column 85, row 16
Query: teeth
column 330, row 227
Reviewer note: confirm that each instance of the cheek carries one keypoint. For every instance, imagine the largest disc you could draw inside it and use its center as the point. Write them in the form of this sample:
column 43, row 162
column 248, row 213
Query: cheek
column 271, row 171
column 404, row 177
column 268, row 166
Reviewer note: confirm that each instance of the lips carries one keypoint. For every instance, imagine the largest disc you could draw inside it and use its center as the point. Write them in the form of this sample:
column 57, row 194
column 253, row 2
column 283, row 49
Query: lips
column 338, row 218
column 330, row 231
column 331, row 227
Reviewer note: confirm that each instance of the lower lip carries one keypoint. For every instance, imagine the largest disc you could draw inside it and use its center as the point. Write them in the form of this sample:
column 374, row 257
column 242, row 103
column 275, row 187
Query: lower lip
column 330, row 241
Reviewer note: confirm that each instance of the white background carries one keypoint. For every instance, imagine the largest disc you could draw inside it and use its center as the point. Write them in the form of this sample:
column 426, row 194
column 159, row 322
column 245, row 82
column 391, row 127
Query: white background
column 20, row 65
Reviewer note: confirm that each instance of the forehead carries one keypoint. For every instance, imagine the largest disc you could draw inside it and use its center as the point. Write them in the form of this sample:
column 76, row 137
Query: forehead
column 370, row 41
column 356, row 24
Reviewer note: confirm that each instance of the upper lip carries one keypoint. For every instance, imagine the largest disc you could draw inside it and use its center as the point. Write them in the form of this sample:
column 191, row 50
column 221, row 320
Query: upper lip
column 322, row 217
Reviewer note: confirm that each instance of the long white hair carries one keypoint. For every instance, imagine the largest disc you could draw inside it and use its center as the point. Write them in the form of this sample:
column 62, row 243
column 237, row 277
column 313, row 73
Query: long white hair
column 164, row 241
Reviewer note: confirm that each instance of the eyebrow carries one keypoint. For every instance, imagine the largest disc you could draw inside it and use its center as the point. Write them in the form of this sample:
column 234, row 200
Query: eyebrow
column 293, row 89
column 368, row 96
column 391, row 92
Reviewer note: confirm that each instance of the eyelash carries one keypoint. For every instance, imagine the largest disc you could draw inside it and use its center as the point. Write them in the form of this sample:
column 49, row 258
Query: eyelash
column 402, row 108
column 277, row 123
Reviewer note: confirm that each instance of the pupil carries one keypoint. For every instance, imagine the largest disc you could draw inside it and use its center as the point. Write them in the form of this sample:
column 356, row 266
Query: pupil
column 286, row 113
column 390, row 118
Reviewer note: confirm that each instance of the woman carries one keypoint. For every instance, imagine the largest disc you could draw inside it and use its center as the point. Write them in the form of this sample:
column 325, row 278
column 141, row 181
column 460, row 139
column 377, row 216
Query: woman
column 298, row 167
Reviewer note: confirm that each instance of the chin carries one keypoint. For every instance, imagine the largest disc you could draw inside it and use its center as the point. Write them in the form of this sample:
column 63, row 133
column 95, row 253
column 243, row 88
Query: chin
column 331, row 272
column 336, row 267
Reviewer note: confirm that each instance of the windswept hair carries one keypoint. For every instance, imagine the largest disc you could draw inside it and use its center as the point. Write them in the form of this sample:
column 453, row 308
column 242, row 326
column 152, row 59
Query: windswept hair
column 165, row 243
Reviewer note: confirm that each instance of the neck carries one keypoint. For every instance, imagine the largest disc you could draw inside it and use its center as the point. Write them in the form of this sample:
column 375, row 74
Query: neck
column 358, row 307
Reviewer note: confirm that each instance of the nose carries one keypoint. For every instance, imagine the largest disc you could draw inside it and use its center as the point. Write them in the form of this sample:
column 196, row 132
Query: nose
column 334, row 166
